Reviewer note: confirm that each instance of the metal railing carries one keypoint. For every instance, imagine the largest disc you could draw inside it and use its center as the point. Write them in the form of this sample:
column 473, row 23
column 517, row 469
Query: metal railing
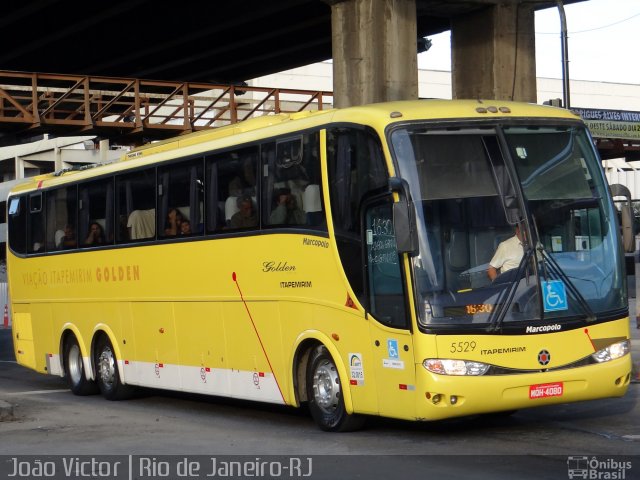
column 33, row 102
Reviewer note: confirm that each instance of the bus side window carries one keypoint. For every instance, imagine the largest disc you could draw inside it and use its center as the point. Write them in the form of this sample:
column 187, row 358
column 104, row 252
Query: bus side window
column 291, row 182
column 135, row 205
column 232, row 194
column 95, row 206
column 18, row 224
column 61, row 218
column 181, row 187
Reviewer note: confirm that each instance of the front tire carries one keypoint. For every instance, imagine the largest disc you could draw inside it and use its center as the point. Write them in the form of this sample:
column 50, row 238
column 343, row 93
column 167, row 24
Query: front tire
column 74, row 369
column 324, row 392
column 108, row 374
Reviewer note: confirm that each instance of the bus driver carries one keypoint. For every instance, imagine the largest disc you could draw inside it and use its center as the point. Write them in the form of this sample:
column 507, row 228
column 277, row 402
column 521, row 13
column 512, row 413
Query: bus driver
column 507, row 256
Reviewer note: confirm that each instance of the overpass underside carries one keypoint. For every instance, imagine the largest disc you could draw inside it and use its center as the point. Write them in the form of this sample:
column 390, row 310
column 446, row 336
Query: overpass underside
column 373, row 46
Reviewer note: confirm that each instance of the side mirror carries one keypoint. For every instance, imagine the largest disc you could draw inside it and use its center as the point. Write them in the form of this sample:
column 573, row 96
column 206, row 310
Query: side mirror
column 626, row 216
column 404, row 218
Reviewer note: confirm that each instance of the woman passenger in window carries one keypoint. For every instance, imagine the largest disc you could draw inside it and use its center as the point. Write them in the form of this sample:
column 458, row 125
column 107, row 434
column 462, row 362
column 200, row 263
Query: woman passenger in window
column 174, row 219
column 96, row 234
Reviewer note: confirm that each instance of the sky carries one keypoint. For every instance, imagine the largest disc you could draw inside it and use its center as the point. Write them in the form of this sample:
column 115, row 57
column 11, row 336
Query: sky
column 604, row 42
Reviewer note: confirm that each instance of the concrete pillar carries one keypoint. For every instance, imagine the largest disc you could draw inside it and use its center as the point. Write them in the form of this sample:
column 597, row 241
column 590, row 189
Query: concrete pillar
column 493, row 53
column 104, row 150
column 374, row 51
column 57, row 166
column 19, row 166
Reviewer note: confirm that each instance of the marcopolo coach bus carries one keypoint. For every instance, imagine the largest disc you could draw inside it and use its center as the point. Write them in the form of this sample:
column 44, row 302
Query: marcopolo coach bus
column 343, row 259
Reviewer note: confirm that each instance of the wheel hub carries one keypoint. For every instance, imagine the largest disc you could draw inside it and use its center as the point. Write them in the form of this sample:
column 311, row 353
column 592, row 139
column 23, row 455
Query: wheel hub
column 106, row 366
column 75, row 364
column 326, row 386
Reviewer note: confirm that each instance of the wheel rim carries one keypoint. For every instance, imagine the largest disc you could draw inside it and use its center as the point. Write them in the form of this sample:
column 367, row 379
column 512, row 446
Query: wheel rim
column 76, row 367
column 326, row 386
column 106, row 367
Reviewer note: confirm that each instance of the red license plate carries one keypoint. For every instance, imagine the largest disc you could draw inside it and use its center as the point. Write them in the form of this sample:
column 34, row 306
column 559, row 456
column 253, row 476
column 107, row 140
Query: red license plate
column 545, row 390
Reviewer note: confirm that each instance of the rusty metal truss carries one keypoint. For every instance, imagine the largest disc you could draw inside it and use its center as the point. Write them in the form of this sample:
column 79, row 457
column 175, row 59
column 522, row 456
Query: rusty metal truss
column 32, row 103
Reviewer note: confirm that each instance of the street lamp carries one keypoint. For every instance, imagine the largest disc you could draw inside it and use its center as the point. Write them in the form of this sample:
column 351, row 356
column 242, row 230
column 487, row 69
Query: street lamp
column 565, row 56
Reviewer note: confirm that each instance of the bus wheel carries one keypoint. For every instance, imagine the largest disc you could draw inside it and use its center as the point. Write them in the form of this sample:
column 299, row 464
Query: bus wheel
column 107, row 374
column 325, row 395
column 74, row 369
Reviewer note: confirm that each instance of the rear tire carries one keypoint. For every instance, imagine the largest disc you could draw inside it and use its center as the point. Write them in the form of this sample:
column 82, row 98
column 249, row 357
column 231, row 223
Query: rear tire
column 74, row 369
column 108, row 374
column 324, row 392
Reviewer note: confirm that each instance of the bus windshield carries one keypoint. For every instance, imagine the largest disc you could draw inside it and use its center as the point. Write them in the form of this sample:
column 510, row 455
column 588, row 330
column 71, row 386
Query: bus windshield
column 515, row 225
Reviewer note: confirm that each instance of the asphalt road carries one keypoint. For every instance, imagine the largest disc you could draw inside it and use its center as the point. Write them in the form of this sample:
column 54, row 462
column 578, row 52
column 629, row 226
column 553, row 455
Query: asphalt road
column 535, row 443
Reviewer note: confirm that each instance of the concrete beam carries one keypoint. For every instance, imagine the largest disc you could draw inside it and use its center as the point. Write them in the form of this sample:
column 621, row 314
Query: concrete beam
column 374, row 51
column 493, row 53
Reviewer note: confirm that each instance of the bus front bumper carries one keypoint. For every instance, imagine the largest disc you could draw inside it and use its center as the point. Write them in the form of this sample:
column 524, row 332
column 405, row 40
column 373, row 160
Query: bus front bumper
column 443, row 396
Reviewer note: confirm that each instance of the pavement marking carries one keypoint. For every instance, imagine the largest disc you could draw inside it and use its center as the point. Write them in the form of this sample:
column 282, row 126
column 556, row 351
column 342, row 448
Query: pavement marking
column 8, row 361
column 38, row 392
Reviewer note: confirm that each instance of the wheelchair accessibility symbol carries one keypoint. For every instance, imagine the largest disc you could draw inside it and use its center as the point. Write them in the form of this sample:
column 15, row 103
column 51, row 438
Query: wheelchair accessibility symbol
column 554, row 295
column 392, row 348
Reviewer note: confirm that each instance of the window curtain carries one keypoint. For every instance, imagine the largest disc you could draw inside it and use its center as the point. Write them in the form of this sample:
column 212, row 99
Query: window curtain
column 213, row 209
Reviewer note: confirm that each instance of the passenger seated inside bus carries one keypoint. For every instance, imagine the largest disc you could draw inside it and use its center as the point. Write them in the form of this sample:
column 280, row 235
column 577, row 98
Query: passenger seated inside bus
column 66, row 238
column 185, row 227
column 246, row 216
column 173, row 221
column 286, row 211
column 507, row 257
column 141, row 224
column 95, row 235
column 313, row 205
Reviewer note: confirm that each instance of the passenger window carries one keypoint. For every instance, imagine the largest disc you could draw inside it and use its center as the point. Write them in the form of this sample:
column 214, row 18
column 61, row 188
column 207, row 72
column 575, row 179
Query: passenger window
column 18, row 224
column 35, row 230
column 291, row 179
column 95, row 213
column 180, row 199
column 232, row 195
column 62, row 219
column 136, row 206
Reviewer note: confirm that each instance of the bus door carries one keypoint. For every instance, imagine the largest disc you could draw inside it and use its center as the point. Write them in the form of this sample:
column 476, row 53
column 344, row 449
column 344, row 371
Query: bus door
column 389, row 322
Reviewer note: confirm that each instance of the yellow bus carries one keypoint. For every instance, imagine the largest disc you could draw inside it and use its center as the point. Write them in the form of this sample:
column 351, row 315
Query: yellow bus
column 344, row 259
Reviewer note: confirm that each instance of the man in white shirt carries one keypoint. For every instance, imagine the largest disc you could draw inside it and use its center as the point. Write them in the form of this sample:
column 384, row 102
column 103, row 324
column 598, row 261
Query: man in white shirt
column 507, row 256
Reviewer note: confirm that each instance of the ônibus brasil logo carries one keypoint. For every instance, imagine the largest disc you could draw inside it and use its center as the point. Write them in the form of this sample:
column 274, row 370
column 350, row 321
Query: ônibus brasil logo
column 595, row 468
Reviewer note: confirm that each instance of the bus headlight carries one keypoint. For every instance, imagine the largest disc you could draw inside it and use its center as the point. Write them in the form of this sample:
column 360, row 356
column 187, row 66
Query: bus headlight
column 612, row 352
column 445, row 366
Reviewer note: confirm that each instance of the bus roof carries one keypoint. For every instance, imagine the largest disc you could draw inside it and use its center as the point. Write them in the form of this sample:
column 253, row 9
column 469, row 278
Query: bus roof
column 378, row 116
